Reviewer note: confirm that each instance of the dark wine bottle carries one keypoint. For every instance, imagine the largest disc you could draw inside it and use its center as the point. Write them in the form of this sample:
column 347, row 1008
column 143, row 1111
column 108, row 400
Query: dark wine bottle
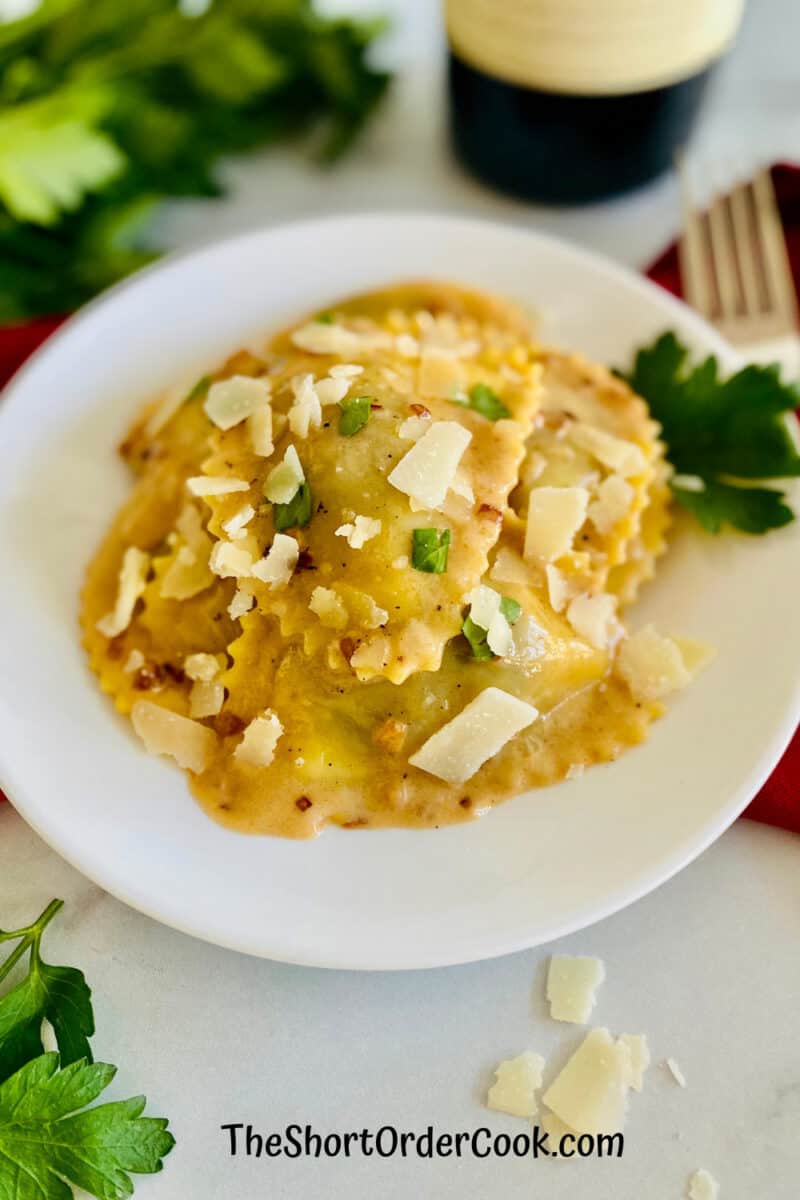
column 567, row 101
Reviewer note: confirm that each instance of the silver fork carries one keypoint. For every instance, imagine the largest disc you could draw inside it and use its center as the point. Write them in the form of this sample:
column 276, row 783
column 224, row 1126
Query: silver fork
column 735, row 270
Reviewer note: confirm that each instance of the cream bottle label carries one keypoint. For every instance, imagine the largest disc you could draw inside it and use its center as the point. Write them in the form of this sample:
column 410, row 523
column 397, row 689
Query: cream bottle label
column 592, row 47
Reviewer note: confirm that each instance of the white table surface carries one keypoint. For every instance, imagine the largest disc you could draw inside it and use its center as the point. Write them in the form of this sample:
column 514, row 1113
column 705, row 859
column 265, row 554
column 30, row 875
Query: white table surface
column 708, row 966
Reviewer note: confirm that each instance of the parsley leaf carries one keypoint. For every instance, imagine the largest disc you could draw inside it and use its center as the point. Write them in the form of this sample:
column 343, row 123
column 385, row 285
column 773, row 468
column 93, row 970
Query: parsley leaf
column 199, row 389
column 429, row 549
column 476, row 635
column 49, row 1139
column 484, row 400
column 355, row 414
column 59, row 994
column 296, row 512
column 722, row 432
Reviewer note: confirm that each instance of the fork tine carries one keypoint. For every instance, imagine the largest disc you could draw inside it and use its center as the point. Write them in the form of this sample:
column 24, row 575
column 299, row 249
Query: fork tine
column 747, row 250
column 693, row 260
column 723, row 254
column 778, row 273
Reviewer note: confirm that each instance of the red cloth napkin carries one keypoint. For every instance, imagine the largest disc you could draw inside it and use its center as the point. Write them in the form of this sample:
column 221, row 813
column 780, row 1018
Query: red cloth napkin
column 778, row 802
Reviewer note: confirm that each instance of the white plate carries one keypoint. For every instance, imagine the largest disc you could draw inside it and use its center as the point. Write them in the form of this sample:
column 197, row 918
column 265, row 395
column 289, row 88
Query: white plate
column 541, row 865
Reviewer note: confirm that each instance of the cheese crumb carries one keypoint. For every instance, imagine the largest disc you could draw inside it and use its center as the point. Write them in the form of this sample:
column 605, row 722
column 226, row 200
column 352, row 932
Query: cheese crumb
column 332, row 390
column 428, row 469
column 359, row 531
column 206, row 698
column 166, row 732
column 572, row 984
column 589, row 1094
column 328, row 606
column 412, row 429
column 640, row 1057
column 624, row 458
column 594, row 618
column 259, row 426
column 457, row 750
column 235, row 525
column 306, row 410
column 651, row 665
column 555, row 514
column 241, row 603
column 277, row 566
column 230, row 561
column 130, row 585
column 201, row 666
column 134, row 662
column 215, row 485
column 612, row 502
column 257, row 747
column 187, row 574
column 559, row 589
column 703, row 1186
column 676, row 1073
column 283, row 480
column 517, row 1081
column 230, row 401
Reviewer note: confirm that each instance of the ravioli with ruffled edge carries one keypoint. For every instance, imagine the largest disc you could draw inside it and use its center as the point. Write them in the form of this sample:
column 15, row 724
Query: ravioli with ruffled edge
column 374, row 575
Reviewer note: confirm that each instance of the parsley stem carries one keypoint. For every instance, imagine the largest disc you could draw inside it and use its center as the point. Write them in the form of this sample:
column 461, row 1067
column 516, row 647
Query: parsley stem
column 30, row 935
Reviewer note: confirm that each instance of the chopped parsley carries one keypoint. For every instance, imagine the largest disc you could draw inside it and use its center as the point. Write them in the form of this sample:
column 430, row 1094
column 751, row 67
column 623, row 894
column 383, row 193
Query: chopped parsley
column 476, row 635
column 429, row 549
column 722, row 434
column 324, row 318
column 199, row 389
column 296, row 512
column 355, row 414
column 485, row 400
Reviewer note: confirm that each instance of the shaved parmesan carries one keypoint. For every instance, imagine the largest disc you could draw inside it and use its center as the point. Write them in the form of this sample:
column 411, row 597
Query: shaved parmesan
column 131, row 583
column 283, row 480
column 259, row 426
column 462, row 487
column 484, row 603
column 625, row 458
column 640, row 1057
column 234, row 526
column 206, row 698
column 703, row 1186
column 317, row 337
column 190, row 526
column 333, row 389
column 589, row 1094
column 134, row 661
column 429, row 468
column 306, row 410
column 328, row 606
column 651, row 665
column 612, row 503
column 230, row 561
column 572, row 984
column 187, row 574
column 215, row 485
column 230, row 401
column 346, row 370
column 412, row 429
column 241, row 603
column 517, row 1081
column 560, row 589
column 554, row 517
column 359, row 531
column 676, row 1073
column 202, row 666
column 166, row 732
column 407, row 346
column 594, row 618
column 277, row 566
column 457, row 750
column 257, row 747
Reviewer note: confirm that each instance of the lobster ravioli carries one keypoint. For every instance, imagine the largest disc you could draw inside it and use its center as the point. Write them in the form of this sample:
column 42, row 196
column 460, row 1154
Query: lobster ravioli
column 373, row 573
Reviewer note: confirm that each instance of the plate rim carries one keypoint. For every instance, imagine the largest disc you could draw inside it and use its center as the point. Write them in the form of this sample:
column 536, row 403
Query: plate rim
column 666, row 869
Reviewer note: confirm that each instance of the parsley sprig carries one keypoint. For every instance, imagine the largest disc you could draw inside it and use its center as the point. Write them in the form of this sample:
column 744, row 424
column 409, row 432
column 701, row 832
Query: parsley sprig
column 722, row 432
column 50, row 1140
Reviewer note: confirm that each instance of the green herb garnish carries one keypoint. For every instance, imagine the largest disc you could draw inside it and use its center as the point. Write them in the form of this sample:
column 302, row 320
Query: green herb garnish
column 106, row 108
column 324, row 318
column 476, row 635
column 721, row 433
column 199, row 389
column 355, row 414
column 50, row 1141
column 296, row 512
column 484, row 400
column 429, row 548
